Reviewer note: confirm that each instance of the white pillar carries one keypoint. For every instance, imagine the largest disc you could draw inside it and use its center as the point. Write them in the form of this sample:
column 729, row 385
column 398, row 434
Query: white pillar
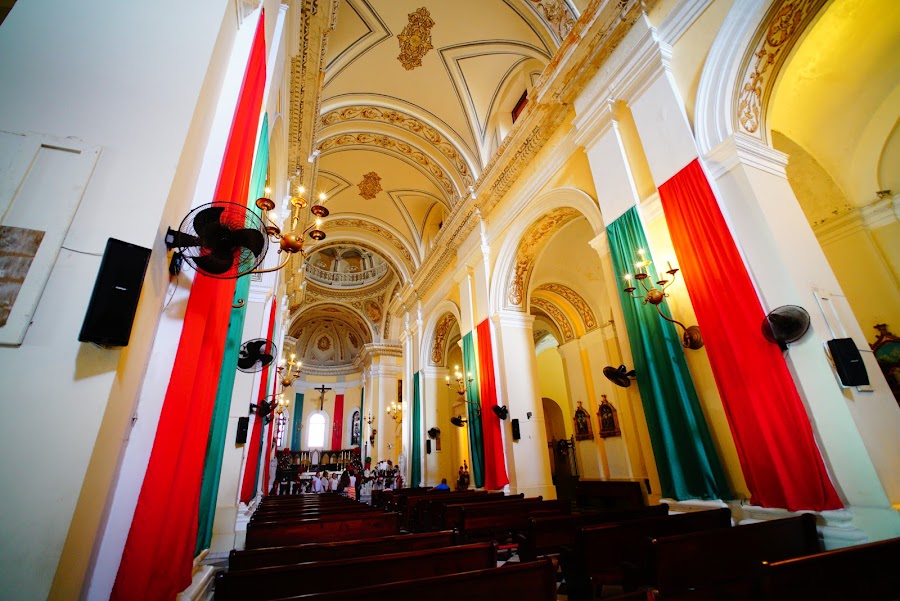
column 590, row 463
column 518, row 367
column 436, row 414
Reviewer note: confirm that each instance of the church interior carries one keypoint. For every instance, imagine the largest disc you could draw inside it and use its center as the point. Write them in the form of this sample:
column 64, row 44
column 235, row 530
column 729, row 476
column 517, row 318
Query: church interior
column 583, row 260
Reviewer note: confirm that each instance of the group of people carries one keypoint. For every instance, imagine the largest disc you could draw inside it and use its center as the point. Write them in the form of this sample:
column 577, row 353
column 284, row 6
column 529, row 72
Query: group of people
column 344, row 484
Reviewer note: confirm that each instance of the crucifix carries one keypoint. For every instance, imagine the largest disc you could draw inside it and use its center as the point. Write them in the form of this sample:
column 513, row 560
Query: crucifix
column 321, row 390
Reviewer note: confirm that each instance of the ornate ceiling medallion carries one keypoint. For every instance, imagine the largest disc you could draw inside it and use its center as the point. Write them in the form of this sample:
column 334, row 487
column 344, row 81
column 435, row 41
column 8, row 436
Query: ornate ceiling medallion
column 370, row 185
column 415, row 39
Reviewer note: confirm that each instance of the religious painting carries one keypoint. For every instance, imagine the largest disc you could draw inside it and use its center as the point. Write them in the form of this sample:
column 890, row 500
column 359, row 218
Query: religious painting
column 355, row 430
column 582, row 424
column 887, row 353
column 609, row 419
column 399, row 392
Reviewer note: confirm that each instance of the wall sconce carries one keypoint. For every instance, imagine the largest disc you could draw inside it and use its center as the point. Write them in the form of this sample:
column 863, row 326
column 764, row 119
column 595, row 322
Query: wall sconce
column 460, row 382
column 691, row 338
column 395, row 412
column 458, row 421
column 501, row 411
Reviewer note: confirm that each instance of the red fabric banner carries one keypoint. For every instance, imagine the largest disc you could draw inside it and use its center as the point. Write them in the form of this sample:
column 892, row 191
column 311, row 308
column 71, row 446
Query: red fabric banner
column 337, row 428
column 495, row 476
column 771, row 429
column 251, row 470
column 158, row 555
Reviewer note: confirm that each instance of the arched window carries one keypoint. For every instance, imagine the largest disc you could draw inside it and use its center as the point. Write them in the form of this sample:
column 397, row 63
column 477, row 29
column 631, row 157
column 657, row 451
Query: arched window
column 316, row 431
column 354, row 429
column 279, row 431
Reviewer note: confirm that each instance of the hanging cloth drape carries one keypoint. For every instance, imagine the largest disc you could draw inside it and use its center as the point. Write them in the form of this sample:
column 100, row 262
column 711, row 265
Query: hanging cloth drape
column 254, row 449
column 159, row 551
column 337, row 427
column 216, row 445
column 771, row 429
column 269, row 440
column 689, row 467
column 473, row 403
column 494, row 460
column 415, row 472
column 296, row 422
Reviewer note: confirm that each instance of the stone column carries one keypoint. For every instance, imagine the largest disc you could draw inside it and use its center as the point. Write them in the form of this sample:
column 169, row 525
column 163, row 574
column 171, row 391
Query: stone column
column 527, row 459
column 436, row 414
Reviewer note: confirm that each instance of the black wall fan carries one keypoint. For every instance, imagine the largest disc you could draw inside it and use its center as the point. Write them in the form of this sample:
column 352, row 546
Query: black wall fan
column 256, row 354
column 785, row 324
column 620, row 376
column 221, row 240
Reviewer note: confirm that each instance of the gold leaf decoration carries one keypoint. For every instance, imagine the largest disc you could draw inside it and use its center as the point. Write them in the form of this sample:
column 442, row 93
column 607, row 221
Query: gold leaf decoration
column 370, row 185
column 415, row 39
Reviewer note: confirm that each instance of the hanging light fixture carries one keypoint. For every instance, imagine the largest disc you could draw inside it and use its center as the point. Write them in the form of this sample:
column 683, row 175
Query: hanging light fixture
column 655, row 296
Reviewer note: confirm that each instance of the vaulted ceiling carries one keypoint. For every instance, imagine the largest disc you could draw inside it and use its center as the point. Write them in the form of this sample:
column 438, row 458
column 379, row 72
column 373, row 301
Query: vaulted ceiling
column 414, row 100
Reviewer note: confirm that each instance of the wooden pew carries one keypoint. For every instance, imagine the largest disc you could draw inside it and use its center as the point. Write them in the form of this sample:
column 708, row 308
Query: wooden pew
column 870, row 572
column 322, row 576
column 486, row 521
column 532, row 581
column 294, row 513
column 448, row 514
column 548, row 534
column 424, row 508
column 723, row 563
column 610, row 494
column 280, row 556
column 609, row 553
column 321, row 530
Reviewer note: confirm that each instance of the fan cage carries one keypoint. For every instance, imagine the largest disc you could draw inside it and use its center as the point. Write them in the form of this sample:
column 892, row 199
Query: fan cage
column 235, row 217
column 268, row 348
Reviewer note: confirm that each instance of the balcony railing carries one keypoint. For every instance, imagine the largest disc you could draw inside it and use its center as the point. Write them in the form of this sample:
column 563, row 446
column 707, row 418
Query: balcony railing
column 352, row 279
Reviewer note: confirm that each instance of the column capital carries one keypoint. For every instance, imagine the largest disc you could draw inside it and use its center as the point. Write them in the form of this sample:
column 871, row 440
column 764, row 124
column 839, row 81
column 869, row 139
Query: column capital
column 741, row 149
column 600, row 244
column 436, row 372
column 513, row 319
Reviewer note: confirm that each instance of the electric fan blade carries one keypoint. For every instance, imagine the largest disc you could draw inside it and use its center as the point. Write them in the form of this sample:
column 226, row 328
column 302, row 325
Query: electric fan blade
column 266, row 359
column 214, row 263
column 207, row 222
column 251, row 239
column 247, row 362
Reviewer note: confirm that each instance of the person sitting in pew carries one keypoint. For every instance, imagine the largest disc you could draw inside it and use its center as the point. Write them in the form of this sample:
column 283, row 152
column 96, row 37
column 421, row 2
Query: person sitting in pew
column 442, row 486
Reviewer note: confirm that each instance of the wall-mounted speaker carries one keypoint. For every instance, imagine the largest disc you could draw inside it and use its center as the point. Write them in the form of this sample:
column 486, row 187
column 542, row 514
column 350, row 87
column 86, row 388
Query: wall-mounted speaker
column 243, row 426
column 110, row 313
column 515, row 429
column 848, row 362
column 428, row 447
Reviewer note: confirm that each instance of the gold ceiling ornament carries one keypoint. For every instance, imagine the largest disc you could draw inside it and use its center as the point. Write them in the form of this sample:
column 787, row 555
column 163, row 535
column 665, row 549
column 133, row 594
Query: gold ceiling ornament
column 370, row 185
column 415, row 39
column 558, row 15
column 440, row 333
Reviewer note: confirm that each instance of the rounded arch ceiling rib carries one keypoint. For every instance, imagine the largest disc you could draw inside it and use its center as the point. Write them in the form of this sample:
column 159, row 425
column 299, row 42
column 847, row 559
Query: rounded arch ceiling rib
column 331, row 310
column 412, row 154
column 413, row 126
column 353, row 227
column 571, row 302
column 437, row 333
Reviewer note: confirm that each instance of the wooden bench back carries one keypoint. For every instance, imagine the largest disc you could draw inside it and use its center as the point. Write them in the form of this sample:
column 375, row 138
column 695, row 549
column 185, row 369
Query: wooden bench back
column 425, row 508
column 548, row 534
column 448, row 513
column 294, row 513
column 610, row 494
column 870, row 572
column 280, row 556
column 321, row 530
column 725, row 559
column 532, row 581
column 484, row 520
column 322, row 576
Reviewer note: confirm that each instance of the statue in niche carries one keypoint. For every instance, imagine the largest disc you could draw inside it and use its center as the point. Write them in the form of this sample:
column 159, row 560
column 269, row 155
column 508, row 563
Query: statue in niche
column 609, row 419
column 354, row 434
column 582, row 424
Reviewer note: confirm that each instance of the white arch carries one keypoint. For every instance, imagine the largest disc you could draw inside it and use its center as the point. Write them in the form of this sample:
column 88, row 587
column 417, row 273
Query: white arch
column 534, row 209
column 431, row 322
column 717, row 91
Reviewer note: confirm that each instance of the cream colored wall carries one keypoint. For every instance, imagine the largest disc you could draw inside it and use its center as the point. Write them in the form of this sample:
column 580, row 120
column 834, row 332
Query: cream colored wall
column 552, row 380
column 89, row 82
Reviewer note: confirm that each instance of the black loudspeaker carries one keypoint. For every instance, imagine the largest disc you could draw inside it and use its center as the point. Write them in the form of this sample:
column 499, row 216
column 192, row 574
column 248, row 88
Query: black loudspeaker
column 849, row 363
column 243, row 426
column 114, row 301
column 515, row 429
column 428, row 447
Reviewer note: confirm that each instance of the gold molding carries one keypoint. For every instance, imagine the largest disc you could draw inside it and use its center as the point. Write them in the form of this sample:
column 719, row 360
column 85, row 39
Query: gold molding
column 440, row 333
column 574, row 299
column 375, row 229
column 558, row 317
column 531, row 243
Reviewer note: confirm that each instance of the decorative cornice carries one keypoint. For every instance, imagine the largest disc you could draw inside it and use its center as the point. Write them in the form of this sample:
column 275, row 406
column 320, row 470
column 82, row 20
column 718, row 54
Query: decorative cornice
column 742, row 149
column 651, row 208
column 513, row 319
column 600, row 244
column 680, row 19
column 881, row 212
column 876, row 214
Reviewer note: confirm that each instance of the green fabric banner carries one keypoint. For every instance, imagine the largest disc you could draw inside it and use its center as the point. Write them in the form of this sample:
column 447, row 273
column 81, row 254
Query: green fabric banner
column 473, row 405
column 215, row 446
column 297, row 422
column 415, row 472
column 689, row 467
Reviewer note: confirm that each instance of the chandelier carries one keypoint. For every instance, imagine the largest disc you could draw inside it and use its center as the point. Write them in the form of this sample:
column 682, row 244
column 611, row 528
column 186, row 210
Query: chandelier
column 395, row 412
column 289, row 370
column 292, row 243
column 655, row 296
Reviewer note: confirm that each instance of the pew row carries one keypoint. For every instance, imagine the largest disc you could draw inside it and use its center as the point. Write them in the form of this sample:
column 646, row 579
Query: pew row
column 321, row 530
column 322, row 576
column 280, row 556
column 532, row 581
column 870, row 572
